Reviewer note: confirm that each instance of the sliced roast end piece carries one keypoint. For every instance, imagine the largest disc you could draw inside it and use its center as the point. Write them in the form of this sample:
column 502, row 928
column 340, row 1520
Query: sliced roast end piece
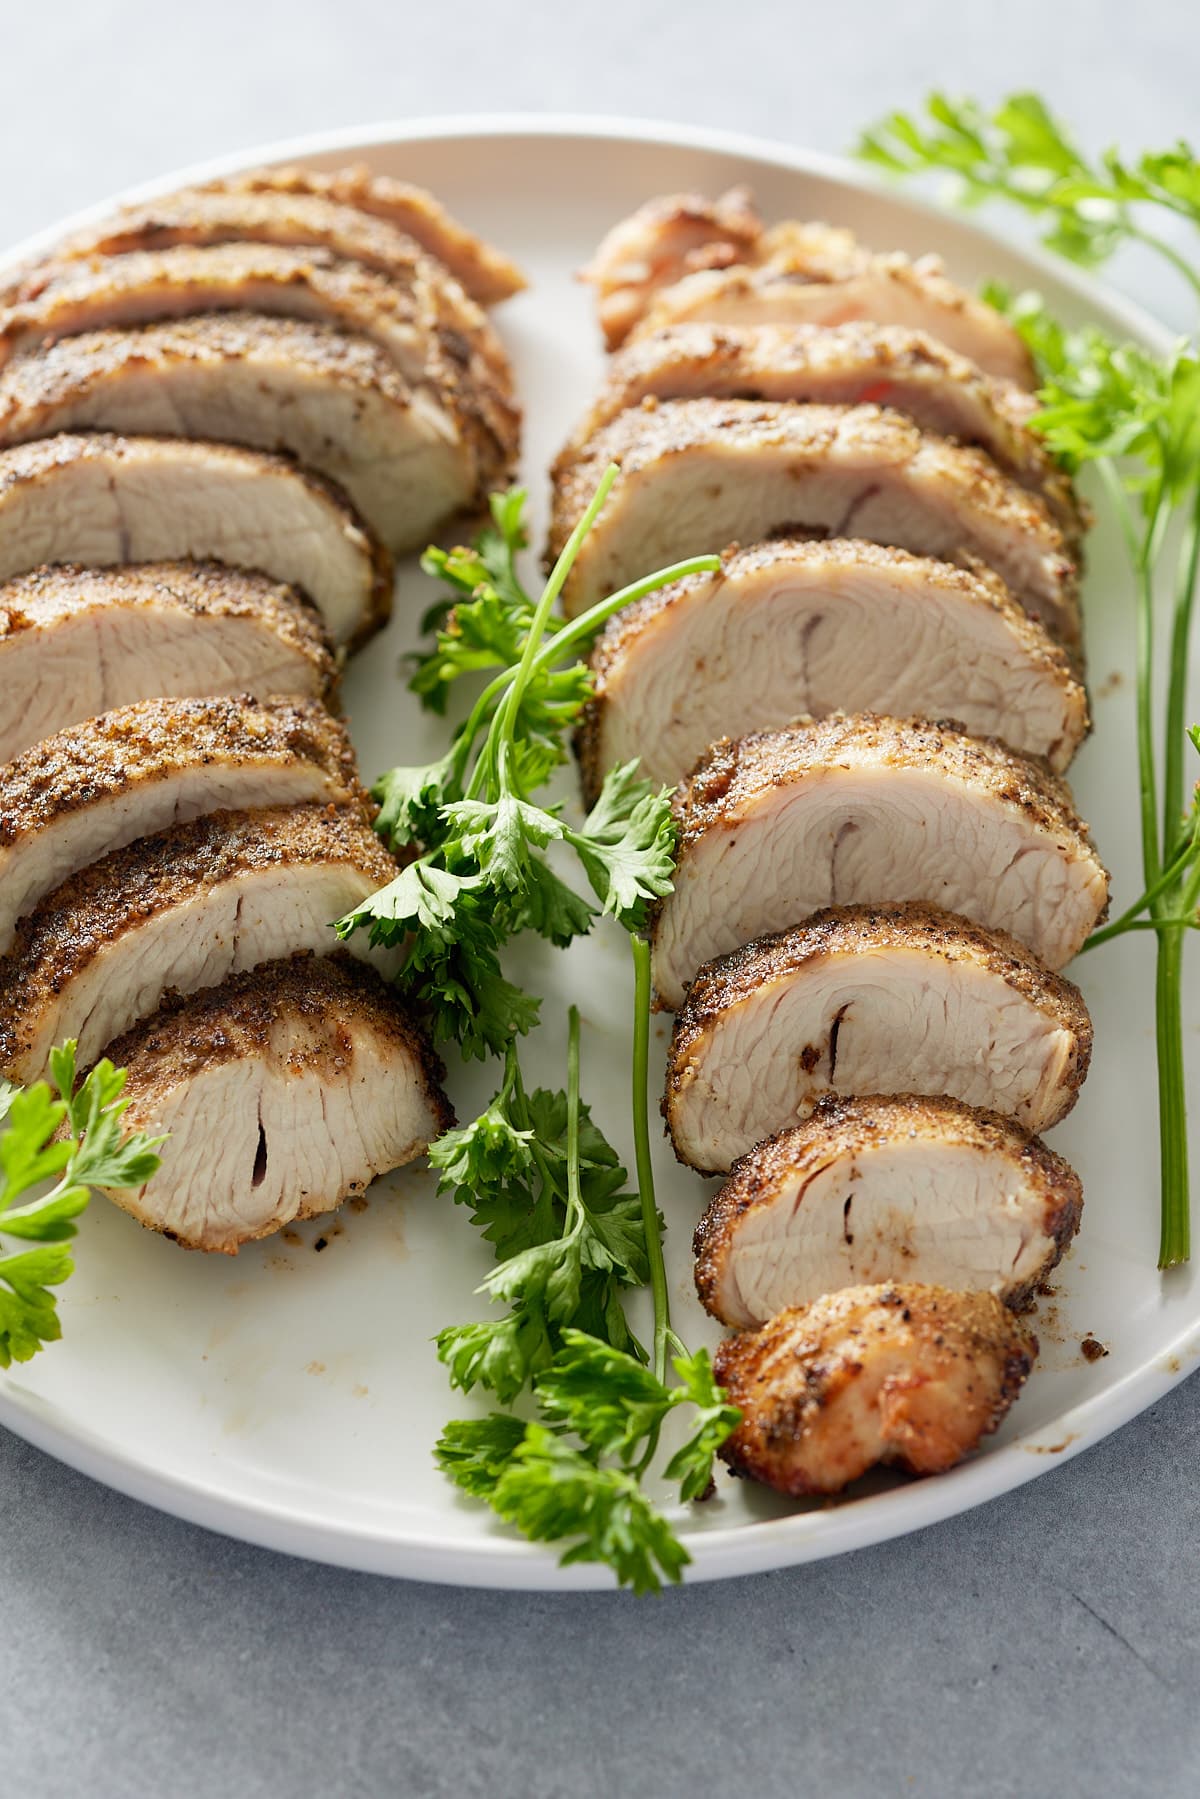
column 75, row 642
column 905, row 1375
column 873, row 1189
column 284, row 1091
column 863, row 1000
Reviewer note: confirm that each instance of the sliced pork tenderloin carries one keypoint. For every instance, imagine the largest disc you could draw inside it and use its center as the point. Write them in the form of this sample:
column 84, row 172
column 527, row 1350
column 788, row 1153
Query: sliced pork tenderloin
column 485, row 272
column 697, row 475
column 669, row 237
column 807, row 275
column 876, row 1189
column 792, row 629
column 883, row 365
column 864, row 811
column 97, row 786
column 75, row 642
column 103, row 500
column 906, row 1375
column 890, row 1000
column 227, row 214
column 283, row 1091
column 435, row 336
column 409, row 457
column 178, row 911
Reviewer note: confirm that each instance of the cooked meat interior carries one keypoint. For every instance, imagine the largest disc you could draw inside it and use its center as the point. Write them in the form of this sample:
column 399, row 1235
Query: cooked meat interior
column 75, row 642
column 813, row 276
column 664, row 240
column 910, row 1376
column 699, row 474
column 878, row 1189
column 897, row 999
column 863, row 811
column 792, row 629
column 97, row 786
column 177, row 911
column 284, row 1090
column 408, row 457
column 486, row 273
column 884, row 365
column 102, row 500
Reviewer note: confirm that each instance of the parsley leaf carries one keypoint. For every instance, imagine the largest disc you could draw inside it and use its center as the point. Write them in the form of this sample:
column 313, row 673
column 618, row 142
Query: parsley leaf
column 71, row 1137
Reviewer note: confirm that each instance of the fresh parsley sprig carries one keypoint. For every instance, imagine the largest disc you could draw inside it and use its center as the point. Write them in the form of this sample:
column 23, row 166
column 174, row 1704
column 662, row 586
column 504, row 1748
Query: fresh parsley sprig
column 574, row 1475
column 1135, row 418
column 543, row 1185
column 71, row 1139
column 483, row 873
column 1020, row 153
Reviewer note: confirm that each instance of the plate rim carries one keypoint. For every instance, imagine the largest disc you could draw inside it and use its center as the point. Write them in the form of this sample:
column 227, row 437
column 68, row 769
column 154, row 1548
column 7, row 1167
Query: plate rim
column 501, row 1561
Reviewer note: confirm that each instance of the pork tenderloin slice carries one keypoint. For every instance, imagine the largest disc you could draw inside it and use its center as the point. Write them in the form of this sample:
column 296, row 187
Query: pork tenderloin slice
column 178, row 911
column 793, row 629
column 863, row 811
column 670, row 236
column 798, row 283
column 884, row 365
column 861, row 1000
column 435, row 336
column 226, row 214
column 103, row 500
column 903, row 1374
column 75, row 642
column 95, row 787
column 408, row 457
column 697, row 475
column 876, row 1189
column 485, row 272
column 284, row 1091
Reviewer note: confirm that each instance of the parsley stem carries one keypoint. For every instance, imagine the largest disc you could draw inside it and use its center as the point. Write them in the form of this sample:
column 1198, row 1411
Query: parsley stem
column 1175, row 1231
column 1168, row 251
column 588, row 623
column 1167, row 879
column 1181, row 631
column 640, row 950
column 574, row 1196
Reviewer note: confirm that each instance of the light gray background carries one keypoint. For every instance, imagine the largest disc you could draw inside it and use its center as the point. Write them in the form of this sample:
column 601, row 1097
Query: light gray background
column 1047, row 1643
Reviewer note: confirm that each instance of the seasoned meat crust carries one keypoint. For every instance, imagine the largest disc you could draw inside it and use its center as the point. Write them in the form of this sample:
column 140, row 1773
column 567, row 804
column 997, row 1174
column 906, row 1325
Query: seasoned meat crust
column 409, row 457
column 869, row 1000
column 317, row 1077
column 97, row 786
column 175, row 910
column 485, row 272
column 697, row 475
column 884, row 365
column 736, row 770
column 101, row 499
column 902, row 1374
column 75, row 642
column 196, row 590
column 793, row 628
column 827, row 1197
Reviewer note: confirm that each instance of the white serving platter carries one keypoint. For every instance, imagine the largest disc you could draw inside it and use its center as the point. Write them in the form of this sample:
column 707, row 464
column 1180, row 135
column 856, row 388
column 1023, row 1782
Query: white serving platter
column 291, row 1396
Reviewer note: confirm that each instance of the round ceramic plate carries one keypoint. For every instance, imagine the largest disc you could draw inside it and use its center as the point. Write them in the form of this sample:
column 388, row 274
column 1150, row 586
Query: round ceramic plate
column 291, row 1397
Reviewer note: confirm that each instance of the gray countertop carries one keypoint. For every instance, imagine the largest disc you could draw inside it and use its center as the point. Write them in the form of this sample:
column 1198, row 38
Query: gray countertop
column 1047, row 1642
